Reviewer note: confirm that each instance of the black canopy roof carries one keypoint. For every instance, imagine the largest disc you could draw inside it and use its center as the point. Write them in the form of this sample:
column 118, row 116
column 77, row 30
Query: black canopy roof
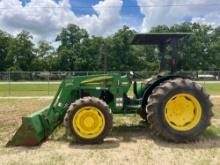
column 156, row 38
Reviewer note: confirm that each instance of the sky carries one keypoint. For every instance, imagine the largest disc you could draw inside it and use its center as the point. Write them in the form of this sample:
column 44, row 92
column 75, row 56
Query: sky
column 45, row 18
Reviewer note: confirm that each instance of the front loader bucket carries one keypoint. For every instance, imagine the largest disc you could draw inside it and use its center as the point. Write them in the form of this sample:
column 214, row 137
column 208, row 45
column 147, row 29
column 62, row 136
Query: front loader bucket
column 31, row 132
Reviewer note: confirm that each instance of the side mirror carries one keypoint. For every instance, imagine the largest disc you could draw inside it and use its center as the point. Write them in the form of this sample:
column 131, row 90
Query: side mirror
column 131, row 74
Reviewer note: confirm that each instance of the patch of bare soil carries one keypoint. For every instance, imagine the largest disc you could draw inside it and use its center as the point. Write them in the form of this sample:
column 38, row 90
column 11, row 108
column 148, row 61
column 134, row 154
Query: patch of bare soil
column 11, row 112
column 130, row 142
column 215, row 101
column 140, row 148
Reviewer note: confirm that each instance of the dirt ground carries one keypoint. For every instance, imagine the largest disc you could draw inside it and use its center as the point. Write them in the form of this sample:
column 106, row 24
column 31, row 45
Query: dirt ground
column 130, row 142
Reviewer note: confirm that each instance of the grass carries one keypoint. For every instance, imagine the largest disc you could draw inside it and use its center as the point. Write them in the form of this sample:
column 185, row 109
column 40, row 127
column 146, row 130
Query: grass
column 213, row 89
column 130, row 142
column 50, row 89
column 28, row 89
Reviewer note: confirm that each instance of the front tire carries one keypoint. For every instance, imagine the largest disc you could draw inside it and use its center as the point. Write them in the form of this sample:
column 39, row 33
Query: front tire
column 88, row 120
column 179, row 110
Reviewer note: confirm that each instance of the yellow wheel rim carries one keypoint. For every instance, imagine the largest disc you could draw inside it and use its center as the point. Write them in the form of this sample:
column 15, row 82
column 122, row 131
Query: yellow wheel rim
column 183, row 112
column 88, row 122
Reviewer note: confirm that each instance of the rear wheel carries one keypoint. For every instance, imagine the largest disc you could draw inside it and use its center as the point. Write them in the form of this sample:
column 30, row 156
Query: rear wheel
column 88, row 120
column 179, row 110
column 143, row 114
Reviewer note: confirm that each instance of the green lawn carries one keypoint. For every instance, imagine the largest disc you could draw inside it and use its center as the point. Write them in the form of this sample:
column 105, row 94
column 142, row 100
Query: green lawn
column 212, row 89
column 28, row 89
column 50, row 89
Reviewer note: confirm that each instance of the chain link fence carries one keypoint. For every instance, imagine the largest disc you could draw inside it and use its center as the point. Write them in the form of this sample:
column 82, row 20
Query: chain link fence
column 46, row 83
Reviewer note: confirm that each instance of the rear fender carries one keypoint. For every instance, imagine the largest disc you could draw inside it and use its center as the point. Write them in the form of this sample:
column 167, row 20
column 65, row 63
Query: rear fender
column 149, row 88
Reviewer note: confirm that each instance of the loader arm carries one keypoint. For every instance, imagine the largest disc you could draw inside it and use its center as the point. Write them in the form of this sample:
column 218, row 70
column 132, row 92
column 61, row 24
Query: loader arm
column 38, row 126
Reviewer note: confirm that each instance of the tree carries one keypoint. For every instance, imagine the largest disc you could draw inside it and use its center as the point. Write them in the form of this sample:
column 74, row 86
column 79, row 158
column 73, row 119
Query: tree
column 5, row 39
column 214, row 50
column 71, row 36
column 45, row 57
column 21, row 52
column 90, row 54
column 79, row 51
column 122, row 55
column 68, row 52
column 194, row 51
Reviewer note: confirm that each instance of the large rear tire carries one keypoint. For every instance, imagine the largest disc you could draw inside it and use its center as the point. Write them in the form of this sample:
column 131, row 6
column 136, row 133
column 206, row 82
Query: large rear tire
column 179, row 110
column 143, row 114
column 88, row 120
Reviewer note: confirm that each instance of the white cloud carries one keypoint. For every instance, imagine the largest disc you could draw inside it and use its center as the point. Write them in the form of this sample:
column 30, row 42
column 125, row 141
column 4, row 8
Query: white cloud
column 154, row 16
column 212, row 18
column 46, row 23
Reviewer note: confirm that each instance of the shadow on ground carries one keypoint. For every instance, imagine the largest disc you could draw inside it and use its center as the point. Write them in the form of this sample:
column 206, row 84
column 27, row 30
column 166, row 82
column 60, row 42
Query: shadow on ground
column 133, row 134
column 119, row 134
column 141, row 131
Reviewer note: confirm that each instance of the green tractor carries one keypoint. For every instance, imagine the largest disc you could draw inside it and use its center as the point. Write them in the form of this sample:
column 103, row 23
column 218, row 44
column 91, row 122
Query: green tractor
column 175, row 107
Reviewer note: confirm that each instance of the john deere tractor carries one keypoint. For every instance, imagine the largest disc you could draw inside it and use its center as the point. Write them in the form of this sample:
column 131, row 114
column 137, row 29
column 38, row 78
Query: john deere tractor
column 175, row 107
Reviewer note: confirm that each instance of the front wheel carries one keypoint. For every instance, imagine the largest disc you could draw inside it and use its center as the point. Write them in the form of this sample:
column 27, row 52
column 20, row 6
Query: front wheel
column 179, row 110
column 88, row 120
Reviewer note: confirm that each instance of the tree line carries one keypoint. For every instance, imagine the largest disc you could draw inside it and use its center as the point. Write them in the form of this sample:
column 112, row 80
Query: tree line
column 79, row 51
